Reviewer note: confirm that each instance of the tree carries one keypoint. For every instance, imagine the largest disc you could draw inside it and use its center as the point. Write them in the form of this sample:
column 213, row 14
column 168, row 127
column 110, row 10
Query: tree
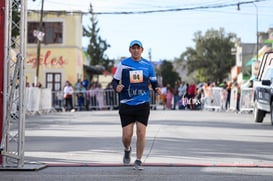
column 167, row 73
column 212, row 58
column 97, row 47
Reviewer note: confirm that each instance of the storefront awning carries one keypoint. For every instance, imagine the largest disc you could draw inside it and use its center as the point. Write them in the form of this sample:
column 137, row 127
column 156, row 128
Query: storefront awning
column 249, row 62
column 93, row 69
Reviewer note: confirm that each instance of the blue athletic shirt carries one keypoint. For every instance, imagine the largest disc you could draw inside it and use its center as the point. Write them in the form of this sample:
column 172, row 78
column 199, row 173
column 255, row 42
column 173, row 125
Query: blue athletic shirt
column 136, row 77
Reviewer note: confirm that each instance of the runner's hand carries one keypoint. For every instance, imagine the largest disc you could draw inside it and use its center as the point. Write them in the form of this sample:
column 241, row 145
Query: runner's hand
column 119, row 88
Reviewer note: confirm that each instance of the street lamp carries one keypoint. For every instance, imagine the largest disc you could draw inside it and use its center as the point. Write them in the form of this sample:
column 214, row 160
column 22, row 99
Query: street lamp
column 257, row 26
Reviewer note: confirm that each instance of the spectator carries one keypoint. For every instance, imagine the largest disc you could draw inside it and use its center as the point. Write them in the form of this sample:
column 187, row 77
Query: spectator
column 68, row 96
column 77, row 90
column 169, row 97
column 236, row 85
column 182, row 92
column 59, row 99
column 81, row 94
column 199, row 99
column 191, row 95
column 182, row 89
column 27, row 83
column 228, row 89
column 163, row 96
column 223, row 95
column 175, row 94
column 78, row 85
column 85, row 83
column 39, row 85
column 250, row 85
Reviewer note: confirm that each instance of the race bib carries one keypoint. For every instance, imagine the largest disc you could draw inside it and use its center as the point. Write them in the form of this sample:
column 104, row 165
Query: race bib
column 136, row 76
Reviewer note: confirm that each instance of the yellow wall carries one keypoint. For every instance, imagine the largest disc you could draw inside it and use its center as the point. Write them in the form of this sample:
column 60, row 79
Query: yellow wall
column 67, row 57
column 68, row 61
column 72, row 22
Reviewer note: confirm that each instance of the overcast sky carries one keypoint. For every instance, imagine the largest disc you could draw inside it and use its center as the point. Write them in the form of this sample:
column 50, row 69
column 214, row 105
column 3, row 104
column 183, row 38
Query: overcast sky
column 167, row 34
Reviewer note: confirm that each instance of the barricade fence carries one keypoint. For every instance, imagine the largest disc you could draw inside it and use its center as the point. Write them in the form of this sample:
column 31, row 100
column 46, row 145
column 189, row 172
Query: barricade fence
column 38, row 100
column 246, row 99
column 240, row 100
column 44, row 100
column 88, row 100
column 214, row 99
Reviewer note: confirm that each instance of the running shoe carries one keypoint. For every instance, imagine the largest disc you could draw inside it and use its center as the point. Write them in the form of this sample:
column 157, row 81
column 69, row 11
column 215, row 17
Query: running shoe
column 138, row 165
column 127, row 157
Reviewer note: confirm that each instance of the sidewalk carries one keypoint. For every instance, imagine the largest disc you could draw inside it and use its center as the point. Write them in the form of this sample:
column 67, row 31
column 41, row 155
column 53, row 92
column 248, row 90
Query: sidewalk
column 181, row 145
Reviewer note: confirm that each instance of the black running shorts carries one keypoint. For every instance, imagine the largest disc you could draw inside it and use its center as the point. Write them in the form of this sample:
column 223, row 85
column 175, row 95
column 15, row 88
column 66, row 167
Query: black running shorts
column 129, row 114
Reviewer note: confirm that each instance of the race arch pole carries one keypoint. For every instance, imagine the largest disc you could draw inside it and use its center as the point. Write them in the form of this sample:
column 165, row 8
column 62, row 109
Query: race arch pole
column 2, row 41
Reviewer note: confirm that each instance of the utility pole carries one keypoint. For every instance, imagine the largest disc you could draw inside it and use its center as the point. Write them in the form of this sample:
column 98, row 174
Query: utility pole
column 39, row 44
column 257, row 31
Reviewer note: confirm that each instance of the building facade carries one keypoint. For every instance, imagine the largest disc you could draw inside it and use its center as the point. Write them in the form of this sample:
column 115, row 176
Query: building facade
column 247, row 61
column 61, row 53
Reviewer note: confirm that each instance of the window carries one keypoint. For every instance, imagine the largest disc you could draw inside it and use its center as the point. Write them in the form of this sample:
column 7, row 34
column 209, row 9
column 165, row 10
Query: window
column 268, row 74
column 53, row 81
column 53, row 32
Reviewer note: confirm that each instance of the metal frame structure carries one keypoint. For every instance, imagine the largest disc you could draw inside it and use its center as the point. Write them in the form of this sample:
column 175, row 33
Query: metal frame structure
column 13, row 135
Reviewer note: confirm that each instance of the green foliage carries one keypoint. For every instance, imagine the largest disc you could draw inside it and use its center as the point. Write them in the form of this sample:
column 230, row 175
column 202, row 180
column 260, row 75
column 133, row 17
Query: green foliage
column 169, row 76
column 97, row 47
column 211, row 59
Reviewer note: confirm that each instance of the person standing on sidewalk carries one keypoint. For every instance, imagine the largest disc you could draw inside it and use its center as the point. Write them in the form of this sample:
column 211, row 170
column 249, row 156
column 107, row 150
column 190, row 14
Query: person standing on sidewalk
column 132, row 79
column 68, row 96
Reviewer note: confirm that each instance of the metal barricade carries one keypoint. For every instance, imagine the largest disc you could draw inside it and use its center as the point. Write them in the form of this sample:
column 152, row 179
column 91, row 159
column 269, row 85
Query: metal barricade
column 153, row 100
column 214, row 101
column 233, row 99
column 246, row 99
column 103, row 99
column 96, row 99
column 38, row 100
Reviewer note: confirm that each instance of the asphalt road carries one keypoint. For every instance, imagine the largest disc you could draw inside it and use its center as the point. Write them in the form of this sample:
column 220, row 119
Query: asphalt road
column 181, row 145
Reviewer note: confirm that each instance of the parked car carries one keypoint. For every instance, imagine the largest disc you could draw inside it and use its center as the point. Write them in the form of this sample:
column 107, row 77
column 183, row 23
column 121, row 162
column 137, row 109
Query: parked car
column 263, row 96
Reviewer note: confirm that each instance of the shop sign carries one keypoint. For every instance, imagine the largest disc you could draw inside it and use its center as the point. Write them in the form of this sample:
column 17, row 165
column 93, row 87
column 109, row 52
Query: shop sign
column 46, row 60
